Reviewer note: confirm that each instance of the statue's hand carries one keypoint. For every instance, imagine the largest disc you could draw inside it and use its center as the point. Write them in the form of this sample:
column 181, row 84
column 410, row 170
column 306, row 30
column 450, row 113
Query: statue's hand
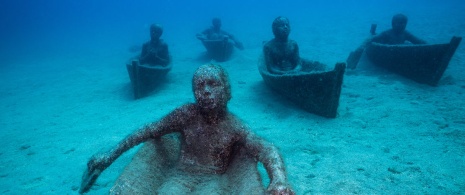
column 201, row 37
column 95, row 166
column 153, row 51
column 280, row 189
column 239, row 45
column 98, row 161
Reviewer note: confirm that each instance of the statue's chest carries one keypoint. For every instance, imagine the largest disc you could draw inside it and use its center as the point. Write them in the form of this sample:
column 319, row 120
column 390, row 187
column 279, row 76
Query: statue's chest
column 155, row 48
column 209, row 139
column 284, row 50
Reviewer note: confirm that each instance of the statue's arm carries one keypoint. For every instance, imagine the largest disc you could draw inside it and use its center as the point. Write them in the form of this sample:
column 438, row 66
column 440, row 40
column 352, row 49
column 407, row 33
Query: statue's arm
column 413, row 39
column 100, row 161
column 143, row 54
column 164, row 56
column 237, row 43
column 268, row 58
column 203, row 35
column 296, row 54
column 272, row 161
column 379, row 38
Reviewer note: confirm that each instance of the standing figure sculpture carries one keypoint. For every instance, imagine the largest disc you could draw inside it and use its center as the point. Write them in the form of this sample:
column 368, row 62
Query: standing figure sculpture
column 211, row 138
column 219, row 43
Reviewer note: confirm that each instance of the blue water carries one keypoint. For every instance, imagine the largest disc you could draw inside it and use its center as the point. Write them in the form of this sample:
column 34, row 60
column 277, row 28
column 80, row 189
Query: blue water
column 64, row 92
column 54, row 24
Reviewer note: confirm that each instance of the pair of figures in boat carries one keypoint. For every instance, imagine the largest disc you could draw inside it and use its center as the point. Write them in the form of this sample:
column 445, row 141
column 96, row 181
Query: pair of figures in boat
column 149, row 69
column 281, row 55
column 219, row 44
column 419, row 61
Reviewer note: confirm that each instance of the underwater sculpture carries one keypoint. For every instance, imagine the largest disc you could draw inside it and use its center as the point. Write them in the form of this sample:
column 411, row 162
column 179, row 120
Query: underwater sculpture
column 219, row 43
column 208, row 150
column 155, row 52
column 149, row 69
column 306, row 83
column 397, row 34
column 394, row 36
column 281, row 54
column 419, row 61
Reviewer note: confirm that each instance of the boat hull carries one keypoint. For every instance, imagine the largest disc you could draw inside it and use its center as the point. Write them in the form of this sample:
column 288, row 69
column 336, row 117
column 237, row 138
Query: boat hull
column 317, row 92
column 219, row 50
column 144, row 78
column 421, row 63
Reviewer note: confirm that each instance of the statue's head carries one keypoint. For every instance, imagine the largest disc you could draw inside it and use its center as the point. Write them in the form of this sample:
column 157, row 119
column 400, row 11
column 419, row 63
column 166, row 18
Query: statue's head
column 399, row 23
column 156, row 30
column 211, row 87
column 216, row 22
column 281, row 28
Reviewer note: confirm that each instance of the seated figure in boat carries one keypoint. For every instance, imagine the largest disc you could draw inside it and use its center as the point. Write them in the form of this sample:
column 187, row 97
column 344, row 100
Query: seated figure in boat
column 215, row 33
column 155, row 51
column 219, row 43
column 210, row 137
column 397, row 34
column 281, row 54
column 394, row 36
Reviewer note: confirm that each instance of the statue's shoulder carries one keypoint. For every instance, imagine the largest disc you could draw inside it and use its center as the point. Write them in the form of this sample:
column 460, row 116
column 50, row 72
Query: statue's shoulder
column 292, row 42
column 269, row 44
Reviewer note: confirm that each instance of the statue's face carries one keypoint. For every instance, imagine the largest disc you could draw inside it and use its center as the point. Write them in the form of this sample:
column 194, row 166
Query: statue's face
column 216, row 23
column 399, row 24
column 156, row 32
column 281, row 28
column 209, row 90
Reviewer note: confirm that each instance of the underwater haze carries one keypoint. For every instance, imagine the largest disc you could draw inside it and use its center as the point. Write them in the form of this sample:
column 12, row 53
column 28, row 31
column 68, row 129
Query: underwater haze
column 65, row 93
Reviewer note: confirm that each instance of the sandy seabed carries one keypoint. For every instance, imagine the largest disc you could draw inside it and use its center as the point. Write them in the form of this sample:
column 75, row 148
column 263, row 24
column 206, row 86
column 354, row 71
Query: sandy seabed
column 391, row 136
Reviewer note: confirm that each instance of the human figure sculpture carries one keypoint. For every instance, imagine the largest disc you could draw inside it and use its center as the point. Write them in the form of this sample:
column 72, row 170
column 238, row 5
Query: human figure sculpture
column 281, row 55
column 210, row 136
column 394, row 36
column 397, row 34
column 219, row 43
column 155, row 51
column 216, row 33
